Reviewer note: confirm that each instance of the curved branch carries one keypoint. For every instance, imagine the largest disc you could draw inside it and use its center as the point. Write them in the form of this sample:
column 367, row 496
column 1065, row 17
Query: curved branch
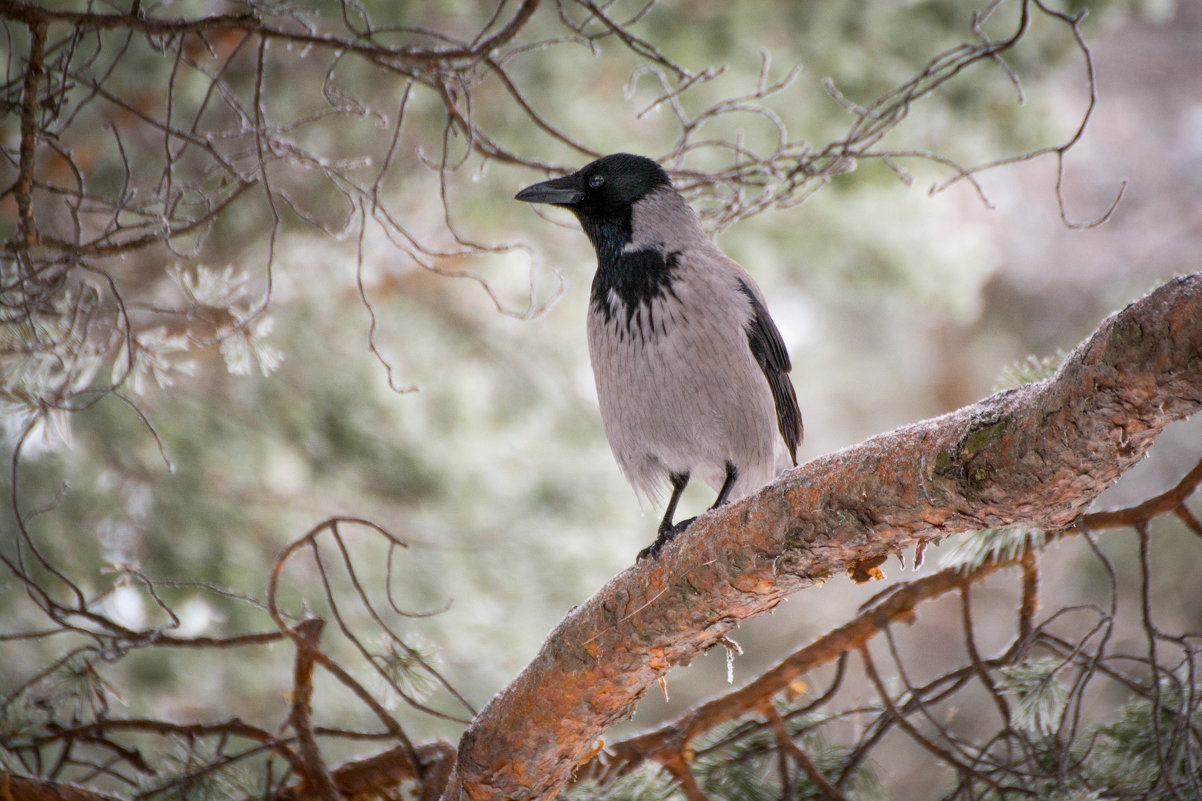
column 1033, row 456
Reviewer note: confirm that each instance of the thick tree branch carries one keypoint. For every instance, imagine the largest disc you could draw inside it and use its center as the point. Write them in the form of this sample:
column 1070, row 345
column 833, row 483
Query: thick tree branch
column 666, row 743
column 1034, row 456
column 898, row 604
column 32, row 788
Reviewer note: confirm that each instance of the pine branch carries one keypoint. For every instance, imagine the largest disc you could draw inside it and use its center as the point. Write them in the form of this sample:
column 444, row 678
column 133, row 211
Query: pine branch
column 1033, row 456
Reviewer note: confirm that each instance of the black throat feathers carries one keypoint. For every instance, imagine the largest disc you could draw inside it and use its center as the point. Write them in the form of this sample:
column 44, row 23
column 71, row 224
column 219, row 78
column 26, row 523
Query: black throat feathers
column 632, row 278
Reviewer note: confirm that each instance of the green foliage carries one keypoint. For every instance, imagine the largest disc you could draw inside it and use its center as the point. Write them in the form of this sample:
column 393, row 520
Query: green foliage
column 648, row 783
column 22, row 720
column 743, row 761
column 192, row 769
column 1030, row 370
column 972, row 549
column 1147, row 752
column 405, row 664
column 1152, row 746
column 1040, row 696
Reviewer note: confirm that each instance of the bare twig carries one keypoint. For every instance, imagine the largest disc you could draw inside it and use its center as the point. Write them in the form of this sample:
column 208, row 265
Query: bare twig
column 795, row 752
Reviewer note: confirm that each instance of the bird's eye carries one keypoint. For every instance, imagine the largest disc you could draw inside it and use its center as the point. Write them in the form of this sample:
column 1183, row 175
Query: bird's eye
column 596, row 182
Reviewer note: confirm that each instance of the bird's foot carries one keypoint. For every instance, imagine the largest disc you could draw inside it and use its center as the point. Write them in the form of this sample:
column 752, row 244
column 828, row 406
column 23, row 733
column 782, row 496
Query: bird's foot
column 666, row 535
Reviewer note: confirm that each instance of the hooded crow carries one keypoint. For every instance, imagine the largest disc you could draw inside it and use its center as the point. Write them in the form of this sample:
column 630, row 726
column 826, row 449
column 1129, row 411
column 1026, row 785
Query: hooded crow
column 692, row 375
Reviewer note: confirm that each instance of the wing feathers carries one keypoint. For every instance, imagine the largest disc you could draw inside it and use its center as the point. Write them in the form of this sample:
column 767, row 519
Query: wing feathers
column 769, row 350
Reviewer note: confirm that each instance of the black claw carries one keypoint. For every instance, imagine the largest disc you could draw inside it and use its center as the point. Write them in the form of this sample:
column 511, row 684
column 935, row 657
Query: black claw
column 666, row 535
column 651, row 550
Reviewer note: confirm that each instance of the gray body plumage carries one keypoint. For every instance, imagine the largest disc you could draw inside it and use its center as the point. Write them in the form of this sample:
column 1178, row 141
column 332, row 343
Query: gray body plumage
column 691, row 373
column 679, row 388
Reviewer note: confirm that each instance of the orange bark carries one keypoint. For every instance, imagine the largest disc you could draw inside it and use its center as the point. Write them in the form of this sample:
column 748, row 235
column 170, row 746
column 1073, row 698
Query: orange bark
column 1034, row 456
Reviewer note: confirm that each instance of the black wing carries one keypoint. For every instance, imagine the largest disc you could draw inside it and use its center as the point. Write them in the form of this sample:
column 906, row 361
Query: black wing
column 769, row 350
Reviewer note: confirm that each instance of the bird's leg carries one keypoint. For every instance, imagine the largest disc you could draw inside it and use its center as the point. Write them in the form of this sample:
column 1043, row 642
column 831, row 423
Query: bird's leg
column 679, row 482
column 732, row 473
column 666, row 529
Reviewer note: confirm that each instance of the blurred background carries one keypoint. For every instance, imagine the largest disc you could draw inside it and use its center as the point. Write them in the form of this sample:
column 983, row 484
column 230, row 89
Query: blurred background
column 896, row 304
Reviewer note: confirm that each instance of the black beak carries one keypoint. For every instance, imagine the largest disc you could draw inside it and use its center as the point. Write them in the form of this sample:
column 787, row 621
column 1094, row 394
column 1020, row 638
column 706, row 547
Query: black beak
column 565, row 191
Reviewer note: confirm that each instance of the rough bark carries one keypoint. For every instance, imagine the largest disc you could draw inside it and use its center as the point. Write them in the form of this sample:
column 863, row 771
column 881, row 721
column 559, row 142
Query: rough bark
column 898, row 604
column 1033, row 456
column 32, row 788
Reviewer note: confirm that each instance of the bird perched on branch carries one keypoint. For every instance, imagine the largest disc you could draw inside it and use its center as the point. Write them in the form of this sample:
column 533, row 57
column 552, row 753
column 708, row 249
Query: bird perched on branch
column 692, row 374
